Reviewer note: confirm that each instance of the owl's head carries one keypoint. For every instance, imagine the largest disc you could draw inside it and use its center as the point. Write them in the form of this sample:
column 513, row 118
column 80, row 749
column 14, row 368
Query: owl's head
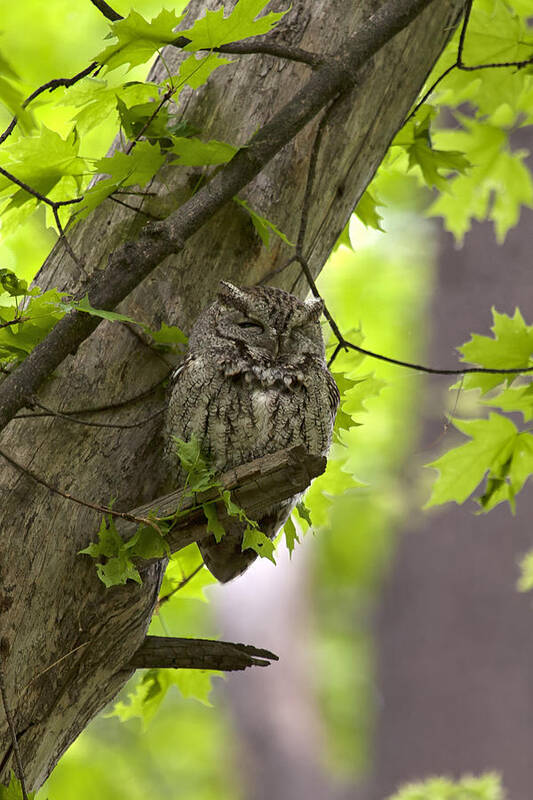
column 262, row 322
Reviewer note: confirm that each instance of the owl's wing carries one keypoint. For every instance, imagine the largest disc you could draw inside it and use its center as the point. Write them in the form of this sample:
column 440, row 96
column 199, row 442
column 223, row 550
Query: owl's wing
column 192, row 384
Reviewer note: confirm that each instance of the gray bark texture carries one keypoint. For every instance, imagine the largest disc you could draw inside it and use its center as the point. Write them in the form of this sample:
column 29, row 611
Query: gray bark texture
column 66, row 641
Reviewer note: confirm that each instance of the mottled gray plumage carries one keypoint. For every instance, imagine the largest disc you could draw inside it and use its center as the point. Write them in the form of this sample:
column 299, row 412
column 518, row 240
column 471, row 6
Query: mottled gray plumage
column 254, row 381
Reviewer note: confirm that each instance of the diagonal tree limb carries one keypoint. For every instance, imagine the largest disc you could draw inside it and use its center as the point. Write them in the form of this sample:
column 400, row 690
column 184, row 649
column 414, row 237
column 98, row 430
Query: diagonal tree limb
column 167, row 652
column 255, row 487
column 133, row 261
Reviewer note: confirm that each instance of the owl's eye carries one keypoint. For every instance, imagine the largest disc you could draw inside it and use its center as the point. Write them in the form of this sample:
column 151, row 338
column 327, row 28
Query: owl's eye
column 250, row 324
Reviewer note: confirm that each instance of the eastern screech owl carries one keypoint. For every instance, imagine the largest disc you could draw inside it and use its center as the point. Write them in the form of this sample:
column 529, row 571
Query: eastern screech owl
column 254, row 381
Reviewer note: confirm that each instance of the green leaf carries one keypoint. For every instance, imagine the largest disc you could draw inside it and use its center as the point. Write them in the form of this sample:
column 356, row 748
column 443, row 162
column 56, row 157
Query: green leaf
column 11, row 284
column 493, row 443
column 114, row 565
column 519, row 399
column 525, row 582
column 496, row 187
column 344, row 238
column 48, row 164
column 193, row 152
column 138, row 39
column 486, row 787
column 214, row 29
column 194, row 71
column 14, row 790
column 139, row 119
column 181, row 565
column 367, row 211
column 303, row 512
column 85, row 305
column 511, row 345
column 136, row 168
column 151, row 689
column 97, row 99
column 40, row 315
column 291, row 535
column 262, row 225
column 214, row 525
column 435, row 165
column 117, row 571
column 253, row 539
column 199, row 474
column 168, row 337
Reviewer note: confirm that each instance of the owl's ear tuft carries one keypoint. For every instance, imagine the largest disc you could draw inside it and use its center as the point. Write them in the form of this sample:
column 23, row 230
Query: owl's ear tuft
column 314, row 308
column 233, row 296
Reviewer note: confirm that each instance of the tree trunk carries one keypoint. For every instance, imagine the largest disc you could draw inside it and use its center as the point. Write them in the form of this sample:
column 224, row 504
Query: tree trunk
column 66, row 641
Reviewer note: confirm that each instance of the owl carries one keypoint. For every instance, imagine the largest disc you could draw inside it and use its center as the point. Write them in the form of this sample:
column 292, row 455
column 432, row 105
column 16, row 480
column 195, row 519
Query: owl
column 254, row 381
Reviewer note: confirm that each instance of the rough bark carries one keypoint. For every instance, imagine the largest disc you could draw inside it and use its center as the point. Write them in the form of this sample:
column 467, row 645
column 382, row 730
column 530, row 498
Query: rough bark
column 66, row 642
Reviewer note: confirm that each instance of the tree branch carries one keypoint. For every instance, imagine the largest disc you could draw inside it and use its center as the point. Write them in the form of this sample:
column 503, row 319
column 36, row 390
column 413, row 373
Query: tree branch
column 106, row 10
column 255, row 487
column 167, row 652
column 131, row 263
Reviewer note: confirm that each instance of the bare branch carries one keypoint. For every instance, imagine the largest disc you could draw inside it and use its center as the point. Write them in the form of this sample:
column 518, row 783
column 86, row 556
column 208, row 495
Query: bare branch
column 258, row 45
column 106, row 10
column 167, row 652
column 50, row 86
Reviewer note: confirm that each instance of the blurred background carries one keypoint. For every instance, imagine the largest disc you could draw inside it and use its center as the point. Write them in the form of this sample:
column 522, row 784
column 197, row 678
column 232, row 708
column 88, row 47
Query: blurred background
column 405, row 650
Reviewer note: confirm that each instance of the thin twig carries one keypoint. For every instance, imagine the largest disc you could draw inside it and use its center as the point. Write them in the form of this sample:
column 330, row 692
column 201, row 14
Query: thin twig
column 94, row 506
column 430, row 370
column 138, row 210
column 52, row 203
column 106, row 10
column 459, row 63
column 180, row 585
column 276, row 271
column 15, row 321
column 70, row 418
column 50, row 86
column 63, row 238
column 276, row 49
column 11, row 726
column 54, row 664
column 107, row 407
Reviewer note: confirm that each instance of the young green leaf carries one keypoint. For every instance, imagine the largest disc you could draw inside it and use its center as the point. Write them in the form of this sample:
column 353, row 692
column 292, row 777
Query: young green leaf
column 214, row 525
column 253, row 539
column 486, row 787
column 193, row 152
column 511, row 345
column 367, row 211
column 14, row 790
column 114, row 564
column 151, row 689
column 138, row 39
column 291, row 536
column 194, row 71
column 124, row 169
column 262, row 225
column 497, row 450
column 525, row 581
column 214, row 30
column 496, row 187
